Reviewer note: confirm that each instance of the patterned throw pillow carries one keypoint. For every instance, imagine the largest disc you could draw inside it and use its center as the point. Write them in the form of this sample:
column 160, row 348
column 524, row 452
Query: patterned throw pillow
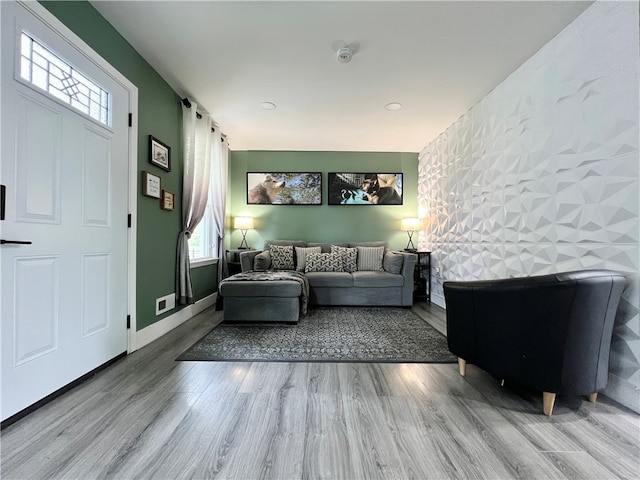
column 301, row 256
column 370, row 258
column 281, row 257
column 349, row 257
column 324, row 262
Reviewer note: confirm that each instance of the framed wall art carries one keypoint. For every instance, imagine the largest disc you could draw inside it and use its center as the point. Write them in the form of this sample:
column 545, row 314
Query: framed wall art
column 284, row 188
column 150, row 185
column 159, row 154
column 365, row 188
column 167, row 200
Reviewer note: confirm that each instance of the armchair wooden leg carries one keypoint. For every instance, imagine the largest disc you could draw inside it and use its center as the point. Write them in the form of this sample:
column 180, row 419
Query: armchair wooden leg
column 593, row 397
column 462, row 366
column 548, row 399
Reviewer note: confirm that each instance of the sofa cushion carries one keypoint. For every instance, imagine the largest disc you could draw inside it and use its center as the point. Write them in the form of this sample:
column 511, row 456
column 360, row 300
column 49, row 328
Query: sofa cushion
column 349, row 257
column 262, row 261
column 377, row 279
column 301, row 256
column 370, row 258
column 281, row 257
column 323, row 262
column 295, row 243
column 250, row 288
column 329, row 279
column 392, row 262
column 326, row 247
column 370, row 244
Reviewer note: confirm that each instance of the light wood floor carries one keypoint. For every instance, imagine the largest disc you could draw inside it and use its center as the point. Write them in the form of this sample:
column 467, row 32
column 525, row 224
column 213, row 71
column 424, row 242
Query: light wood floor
column 149, row 416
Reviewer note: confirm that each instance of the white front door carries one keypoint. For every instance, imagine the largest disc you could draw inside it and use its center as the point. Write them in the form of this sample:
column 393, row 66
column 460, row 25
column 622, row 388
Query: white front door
column 64, row 297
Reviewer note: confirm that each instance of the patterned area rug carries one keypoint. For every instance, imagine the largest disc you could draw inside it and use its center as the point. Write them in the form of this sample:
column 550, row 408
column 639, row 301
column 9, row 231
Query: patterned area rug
column 328, row 334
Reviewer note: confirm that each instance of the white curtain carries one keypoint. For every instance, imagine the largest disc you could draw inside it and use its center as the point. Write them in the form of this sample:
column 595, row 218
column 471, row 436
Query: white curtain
column 218, row 196
column 197, row 153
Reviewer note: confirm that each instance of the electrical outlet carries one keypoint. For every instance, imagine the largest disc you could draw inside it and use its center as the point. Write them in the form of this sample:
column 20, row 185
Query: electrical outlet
column 163, row 304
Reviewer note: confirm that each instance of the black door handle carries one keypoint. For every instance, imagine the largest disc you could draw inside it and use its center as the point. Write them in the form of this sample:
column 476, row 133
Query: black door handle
column 15, row 242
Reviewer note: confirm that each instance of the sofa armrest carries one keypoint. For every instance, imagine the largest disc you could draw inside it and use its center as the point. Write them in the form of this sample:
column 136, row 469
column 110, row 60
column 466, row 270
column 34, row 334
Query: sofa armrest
column 408, row 270
column 246, row 259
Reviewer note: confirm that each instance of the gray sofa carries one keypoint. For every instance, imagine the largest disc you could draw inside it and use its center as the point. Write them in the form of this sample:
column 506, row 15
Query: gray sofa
column 382, row 288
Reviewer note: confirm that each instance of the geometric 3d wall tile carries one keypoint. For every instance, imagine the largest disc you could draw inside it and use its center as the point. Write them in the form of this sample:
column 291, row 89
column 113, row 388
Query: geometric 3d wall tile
column 543, row 174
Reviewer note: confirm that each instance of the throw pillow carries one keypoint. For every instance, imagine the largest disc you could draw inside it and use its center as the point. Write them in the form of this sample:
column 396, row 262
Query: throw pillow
column 324, row 262
column 370, row 258
column 281, row 257
column 392, row 262
column 262, row 261
column 301, row 256
column 349, row 257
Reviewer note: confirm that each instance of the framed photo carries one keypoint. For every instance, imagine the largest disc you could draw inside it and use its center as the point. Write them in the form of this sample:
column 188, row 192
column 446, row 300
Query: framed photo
column 159, row 153
column 365, row 188
column 150, row 185
column 284, row 188
column 167, row 200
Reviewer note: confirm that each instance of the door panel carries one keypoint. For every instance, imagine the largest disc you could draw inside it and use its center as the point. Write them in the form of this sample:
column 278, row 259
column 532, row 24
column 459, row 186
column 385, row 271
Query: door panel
column 38, row 149
column 35, row 323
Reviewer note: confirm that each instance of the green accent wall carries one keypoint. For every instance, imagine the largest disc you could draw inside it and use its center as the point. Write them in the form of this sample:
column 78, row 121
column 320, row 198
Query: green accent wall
column 160, row 115
column 323, row 223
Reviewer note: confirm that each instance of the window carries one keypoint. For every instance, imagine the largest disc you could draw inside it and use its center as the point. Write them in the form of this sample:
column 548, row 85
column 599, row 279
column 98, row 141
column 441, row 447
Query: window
column 45, row 70
column 202, row 244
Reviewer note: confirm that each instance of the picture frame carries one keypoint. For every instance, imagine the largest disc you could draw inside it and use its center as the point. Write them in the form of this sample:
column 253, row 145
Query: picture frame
column 167, row 201
column 151, row 185
column 284, row 188
column 159, row 154
column 365, row 188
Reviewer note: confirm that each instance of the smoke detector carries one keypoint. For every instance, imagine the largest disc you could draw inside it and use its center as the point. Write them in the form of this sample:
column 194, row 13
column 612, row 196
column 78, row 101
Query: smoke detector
column 345, row 51
column 344, row 55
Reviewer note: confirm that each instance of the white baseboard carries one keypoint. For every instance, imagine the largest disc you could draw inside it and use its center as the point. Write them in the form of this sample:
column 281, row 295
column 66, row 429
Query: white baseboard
column 438, row 300
column 160, row 328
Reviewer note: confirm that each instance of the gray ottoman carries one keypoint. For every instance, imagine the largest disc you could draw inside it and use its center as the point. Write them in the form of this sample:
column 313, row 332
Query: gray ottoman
column 261, row 301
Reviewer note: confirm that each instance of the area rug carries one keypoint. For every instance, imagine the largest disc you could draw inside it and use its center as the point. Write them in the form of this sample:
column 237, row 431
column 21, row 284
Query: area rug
column 328, row 334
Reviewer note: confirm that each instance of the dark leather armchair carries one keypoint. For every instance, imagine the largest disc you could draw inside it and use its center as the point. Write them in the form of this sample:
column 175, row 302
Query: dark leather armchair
column 549, row 332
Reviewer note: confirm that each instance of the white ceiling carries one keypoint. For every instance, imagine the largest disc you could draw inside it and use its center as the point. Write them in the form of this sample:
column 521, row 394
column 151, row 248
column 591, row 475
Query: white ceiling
column 436, row 58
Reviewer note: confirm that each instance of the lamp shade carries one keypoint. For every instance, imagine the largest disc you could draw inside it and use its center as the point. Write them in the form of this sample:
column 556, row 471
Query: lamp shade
column 410, row 224
column 243, row 223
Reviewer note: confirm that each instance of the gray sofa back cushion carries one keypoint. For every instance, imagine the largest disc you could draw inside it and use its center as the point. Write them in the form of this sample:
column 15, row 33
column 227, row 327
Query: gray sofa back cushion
column 295, row 243
column 262, row 261
column 326, row 247
column 370, row 244
column 392, row 262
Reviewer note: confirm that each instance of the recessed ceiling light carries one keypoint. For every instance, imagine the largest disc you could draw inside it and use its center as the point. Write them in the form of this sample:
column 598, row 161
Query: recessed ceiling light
column 268, row 106
column 393, row 106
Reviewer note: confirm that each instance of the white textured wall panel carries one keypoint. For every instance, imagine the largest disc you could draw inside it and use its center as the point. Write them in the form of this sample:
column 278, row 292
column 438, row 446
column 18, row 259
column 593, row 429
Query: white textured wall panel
column 543, row 175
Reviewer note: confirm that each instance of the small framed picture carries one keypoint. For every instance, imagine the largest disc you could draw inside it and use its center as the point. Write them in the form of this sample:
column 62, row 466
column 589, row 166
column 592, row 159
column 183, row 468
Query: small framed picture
column 159, row 153
column 150, row 185
column 167, row 200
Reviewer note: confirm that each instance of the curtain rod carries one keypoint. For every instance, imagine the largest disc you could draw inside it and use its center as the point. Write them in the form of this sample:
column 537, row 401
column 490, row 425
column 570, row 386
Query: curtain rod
column 187, row 103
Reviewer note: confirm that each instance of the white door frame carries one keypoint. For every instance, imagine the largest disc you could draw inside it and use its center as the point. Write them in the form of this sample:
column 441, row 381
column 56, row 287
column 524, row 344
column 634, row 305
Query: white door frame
column 77, row 43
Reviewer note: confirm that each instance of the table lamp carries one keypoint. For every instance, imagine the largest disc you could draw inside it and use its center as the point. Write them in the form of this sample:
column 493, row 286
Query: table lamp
column 410, row 225
column 244, row 224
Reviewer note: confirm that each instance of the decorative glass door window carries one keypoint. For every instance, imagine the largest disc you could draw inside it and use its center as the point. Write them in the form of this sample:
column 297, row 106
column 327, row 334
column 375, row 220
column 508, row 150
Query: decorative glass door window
column 44, row 69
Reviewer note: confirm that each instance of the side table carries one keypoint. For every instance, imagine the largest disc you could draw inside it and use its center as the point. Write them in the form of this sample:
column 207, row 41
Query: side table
column 233, row 259
column 422, row 277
